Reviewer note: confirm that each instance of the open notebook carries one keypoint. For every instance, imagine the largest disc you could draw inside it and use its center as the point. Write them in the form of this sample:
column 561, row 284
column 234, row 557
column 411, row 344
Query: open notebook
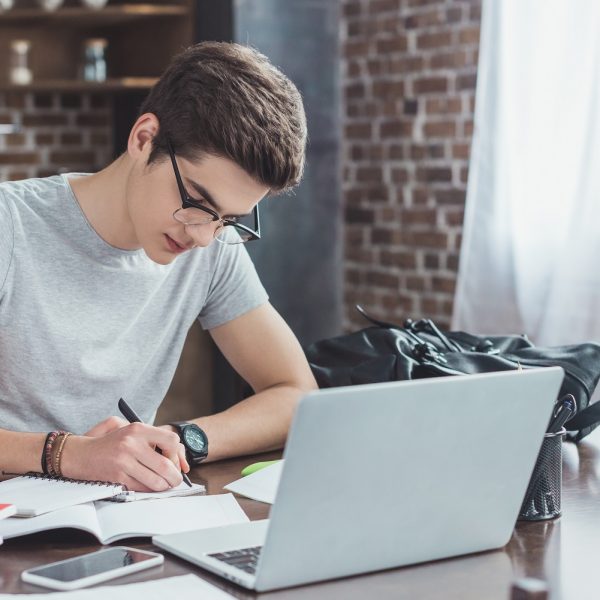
column 35, row 494
column 110, row 521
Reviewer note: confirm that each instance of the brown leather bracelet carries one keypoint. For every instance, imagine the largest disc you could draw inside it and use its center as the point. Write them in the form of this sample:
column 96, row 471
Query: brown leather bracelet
column 56, row 466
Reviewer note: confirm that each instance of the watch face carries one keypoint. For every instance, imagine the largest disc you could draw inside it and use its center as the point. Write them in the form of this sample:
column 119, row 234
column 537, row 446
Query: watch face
column 194, row 439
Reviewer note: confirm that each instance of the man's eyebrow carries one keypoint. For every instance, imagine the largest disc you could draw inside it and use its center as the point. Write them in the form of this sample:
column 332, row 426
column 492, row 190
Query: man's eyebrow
column 200, row 189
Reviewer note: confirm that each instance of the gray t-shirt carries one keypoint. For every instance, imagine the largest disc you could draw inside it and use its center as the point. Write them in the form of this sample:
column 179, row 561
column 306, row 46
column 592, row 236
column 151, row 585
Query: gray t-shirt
column 83, row 323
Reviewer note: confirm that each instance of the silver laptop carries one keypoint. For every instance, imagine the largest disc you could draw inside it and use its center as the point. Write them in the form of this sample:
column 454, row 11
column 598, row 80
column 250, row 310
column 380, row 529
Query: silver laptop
column 383, row 475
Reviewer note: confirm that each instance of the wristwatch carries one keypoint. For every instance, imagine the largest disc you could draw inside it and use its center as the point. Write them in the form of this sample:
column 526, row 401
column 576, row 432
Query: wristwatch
column 194, row 441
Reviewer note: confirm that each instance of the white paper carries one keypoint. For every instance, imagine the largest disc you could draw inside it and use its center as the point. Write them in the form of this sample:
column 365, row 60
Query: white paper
column 37, row 495
column 171, row 515
column 184, row 586
column 261, row 485
column 111, row 521
column 183, row 489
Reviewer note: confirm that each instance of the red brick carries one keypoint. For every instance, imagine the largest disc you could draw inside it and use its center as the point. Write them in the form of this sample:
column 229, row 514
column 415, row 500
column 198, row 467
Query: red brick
column 382, row 6
column 440, row 129
column 443, row 284
column 418, row 216
column 354, row 49
column 466, row 82
column 369, row 174
column 385, row 236
column 14, row 100
column 44, row 139
column 404, row 260
column 355, row 90
column 454, row 218
column 359, row 215
column 416, row 283
column 71, row 138
column 377, row 194
column 351, row 9
column 429, row 85
column 442, row 106
column 461, row 151
column 450, row 196
column 383, row 279
column 392, row 45
column 426, row 19
column 19, row 158
column 388, row 89
column 434, row 174
column 44, row 119
column 400, row 175
column 434, row 40
column 358, row 131
column 432, row 261
column 15, row 139
column 407, row 64
column 427, row 239
column 469, row 36
column 449, row 60
column 394, row 129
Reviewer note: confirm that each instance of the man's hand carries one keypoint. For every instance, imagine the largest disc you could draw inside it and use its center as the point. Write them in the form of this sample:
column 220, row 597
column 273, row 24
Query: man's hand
column 106, row 426
column 126, row 453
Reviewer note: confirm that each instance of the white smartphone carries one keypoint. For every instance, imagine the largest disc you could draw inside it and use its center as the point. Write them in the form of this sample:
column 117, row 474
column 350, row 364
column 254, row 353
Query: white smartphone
column 95, row 567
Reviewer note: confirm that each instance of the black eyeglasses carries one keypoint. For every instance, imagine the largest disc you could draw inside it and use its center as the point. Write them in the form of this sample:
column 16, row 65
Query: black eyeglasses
column 192, row 214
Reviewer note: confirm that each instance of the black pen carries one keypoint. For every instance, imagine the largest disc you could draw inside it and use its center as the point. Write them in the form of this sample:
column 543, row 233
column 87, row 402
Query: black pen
column 130, row 415
column 565, row 410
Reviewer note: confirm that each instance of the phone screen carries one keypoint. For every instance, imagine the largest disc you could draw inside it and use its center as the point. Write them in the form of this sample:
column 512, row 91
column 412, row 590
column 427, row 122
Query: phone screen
column 91, row 564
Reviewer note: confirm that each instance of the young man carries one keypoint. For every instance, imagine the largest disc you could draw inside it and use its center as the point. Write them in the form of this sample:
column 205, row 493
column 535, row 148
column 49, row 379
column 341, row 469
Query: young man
column 102, row 275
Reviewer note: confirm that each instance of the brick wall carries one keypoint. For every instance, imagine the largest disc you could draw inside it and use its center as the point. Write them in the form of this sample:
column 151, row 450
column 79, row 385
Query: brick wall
column 408, row 73
column 56, row 133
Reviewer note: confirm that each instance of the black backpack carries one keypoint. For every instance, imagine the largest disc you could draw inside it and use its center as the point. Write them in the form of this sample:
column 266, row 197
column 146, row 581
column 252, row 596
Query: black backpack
column 418, row 349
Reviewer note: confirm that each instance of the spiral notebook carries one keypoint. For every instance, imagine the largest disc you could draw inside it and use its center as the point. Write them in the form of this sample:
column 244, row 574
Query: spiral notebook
column 35, row 494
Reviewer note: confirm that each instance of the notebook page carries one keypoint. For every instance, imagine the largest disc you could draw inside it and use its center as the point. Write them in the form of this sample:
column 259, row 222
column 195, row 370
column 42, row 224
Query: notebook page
column 181, row 490
column 119, row 520
column 82, row 516
column 34, row 495
column 261, row 485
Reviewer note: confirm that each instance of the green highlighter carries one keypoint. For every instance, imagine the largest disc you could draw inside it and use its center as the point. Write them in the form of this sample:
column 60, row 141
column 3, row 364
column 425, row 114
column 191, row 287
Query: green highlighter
column 257, row 466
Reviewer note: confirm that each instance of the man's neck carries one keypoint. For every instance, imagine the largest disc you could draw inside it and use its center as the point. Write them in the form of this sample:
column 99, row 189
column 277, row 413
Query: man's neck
column 102, row 197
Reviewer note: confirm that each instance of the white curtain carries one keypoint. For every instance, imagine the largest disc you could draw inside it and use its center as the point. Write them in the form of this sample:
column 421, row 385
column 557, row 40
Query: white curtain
column 530, row 260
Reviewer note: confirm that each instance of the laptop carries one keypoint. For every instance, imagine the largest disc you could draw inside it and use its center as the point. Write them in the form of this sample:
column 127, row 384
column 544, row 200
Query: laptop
column 383, row 475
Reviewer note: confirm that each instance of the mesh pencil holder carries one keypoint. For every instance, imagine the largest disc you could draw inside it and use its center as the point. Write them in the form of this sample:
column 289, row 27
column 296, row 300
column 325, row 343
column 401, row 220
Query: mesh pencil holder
column 542, row 499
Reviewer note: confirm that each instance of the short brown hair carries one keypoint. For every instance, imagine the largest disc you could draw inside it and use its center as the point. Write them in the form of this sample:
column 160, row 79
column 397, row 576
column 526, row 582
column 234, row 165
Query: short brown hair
column 230, row 101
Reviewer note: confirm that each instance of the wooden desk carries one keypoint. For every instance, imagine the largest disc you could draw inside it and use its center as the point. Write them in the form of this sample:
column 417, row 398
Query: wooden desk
column 563, row 552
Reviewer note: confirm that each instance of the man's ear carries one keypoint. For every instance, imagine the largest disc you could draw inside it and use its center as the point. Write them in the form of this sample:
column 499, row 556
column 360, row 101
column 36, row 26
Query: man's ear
column 141, row 135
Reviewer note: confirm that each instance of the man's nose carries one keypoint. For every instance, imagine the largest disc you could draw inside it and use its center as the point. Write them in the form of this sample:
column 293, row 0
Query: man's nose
column 202, row 235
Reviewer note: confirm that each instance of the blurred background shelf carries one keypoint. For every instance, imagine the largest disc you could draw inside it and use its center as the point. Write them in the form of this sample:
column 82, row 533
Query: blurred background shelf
column 109, row 15
column 122, row 84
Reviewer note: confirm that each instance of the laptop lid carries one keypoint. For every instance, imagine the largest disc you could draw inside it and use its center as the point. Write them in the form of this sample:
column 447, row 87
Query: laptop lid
column 383, row 475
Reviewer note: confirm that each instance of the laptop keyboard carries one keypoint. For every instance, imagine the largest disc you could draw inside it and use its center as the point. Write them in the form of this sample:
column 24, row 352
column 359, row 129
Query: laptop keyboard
column 244, row 559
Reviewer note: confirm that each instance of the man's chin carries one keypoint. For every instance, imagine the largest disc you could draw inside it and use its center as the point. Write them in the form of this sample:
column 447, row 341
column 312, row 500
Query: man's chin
column 160, row 258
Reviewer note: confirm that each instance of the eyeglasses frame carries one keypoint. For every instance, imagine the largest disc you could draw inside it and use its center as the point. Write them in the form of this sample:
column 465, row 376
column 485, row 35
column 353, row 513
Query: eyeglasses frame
column 187, row 202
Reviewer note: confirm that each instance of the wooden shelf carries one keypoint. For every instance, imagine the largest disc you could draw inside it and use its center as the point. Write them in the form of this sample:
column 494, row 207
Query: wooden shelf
column 109, row 15
column 66, row 85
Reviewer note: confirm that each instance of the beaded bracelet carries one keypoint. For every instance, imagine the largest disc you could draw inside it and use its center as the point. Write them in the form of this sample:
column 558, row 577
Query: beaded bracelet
column 56, row 459
column 47, row 453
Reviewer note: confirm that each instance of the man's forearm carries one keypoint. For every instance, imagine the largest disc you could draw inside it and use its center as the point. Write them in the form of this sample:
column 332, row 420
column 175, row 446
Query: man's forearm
column 20, row 452
column 257, row 424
